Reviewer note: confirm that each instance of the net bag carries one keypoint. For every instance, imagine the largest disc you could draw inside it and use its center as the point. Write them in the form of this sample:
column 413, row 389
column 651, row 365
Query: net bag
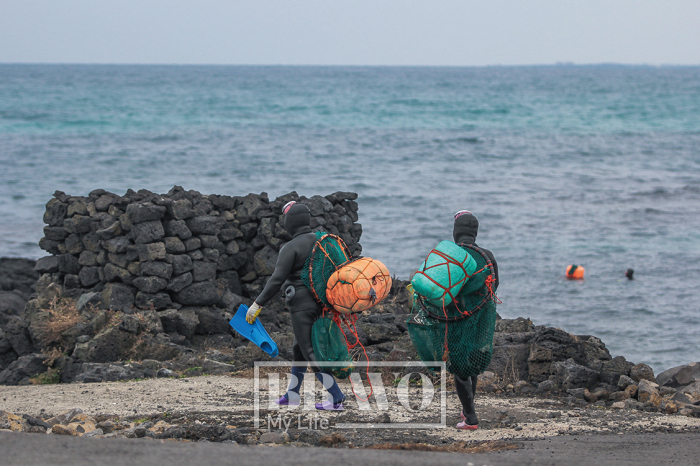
column 358, row 285
column 328, row 253
column 419, row 330
column 443, row 273
column 461, row 333
column 329, row 346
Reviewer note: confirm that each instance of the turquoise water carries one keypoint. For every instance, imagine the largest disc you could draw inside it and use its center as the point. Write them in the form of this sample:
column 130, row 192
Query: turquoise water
column 598, row 166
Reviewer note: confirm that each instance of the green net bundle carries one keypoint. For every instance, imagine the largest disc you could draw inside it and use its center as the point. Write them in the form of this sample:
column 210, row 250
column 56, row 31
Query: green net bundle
column 329, row 346
column 468, row 340
column 327, row 255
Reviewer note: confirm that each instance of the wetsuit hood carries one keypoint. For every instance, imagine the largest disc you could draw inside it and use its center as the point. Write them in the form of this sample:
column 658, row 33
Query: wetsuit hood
column 297, row 220
column 465, row 228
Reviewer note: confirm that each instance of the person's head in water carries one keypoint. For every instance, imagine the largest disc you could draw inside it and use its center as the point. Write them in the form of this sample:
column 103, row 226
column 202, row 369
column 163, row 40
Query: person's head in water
column 629, row 273
column 297, row 218
column 465, row 228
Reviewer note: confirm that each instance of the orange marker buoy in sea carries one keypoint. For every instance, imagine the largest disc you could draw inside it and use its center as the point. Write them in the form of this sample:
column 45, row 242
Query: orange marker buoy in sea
column 575, row 272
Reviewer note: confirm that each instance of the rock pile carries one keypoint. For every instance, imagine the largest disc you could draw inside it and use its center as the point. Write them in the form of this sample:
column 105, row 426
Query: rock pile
column 682, row 383
column 76, row 423
column 148, row 277
column 17, row 283
column 182, row 248
column 540, row 360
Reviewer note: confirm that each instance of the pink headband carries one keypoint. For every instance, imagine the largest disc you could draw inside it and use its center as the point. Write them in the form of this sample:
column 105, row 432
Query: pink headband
column 462, row 212
column 288, row 206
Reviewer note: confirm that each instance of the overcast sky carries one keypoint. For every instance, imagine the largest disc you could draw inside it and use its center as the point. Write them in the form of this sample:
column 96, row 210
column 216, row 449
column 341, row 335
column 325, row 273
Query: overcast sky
column 351, row 32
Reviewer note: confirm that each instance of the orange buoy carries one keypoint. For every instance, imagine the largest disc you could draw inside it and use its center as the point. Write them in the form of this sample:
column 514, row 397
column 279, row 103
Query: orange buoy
column 575, row 272
column 358, row 285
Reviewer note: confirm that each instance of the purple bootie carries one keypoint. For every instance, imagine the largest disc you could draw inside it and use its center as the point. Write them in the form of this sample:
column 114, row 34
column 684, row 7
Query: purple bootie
column 284, row 401
column 329, row 406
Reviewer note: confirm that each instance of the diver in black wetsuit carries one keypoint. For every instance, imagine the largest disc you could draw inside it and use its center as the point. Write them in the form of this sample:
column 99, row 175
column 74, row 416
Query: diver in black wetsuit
column 465, row 229
column 301, row 304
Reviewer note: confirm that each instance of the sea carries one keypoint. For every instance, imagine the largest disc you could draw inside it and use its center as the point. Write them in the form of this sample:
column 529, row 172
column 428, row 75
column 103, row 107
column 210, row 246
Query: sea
column 597, row 166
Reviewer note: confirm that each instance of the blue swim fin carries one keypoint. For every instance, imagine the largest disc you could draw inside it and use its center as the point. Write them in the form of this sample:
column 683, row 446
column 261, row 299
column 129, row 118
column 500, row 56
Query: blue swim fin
column 254, row 332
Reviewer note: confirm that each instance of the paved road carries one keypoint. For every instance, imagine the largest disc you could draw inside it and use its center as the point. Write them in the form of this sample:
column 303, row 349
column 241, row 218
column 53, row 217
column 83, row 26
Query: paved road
column 631, row 449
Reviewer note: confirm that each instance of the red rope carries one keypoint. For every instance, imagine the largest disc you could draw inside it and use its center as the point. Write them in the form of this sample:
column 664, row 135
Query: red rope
column 446, row 353
column 351, row 323
column 450, row 260
column 489, row 284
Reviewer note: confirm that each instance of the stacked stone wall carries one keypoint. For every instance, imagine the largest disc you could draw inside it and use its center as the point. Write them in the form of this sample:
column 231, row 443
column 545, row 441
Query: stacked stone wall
column 160, row 251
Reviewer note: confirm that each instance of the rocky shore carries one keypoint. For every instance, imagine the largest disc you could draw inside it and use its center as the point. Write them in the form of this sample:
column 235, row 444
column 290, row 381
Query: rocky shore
column 142, row 286
column 218, row 409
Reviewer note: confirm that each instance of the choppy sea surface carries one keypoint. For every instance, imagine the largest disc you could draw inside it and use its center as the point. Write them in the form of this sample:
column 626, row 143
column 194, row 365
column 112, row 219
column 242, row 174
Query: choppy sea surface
column 597, row 166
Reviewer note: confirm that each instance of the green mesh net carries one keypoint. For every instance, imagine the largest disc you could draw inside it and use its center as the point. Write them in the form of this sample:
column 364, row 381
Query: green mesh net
column 328, row 254
column 462, row 333
column 329, row 346
column 419, row 330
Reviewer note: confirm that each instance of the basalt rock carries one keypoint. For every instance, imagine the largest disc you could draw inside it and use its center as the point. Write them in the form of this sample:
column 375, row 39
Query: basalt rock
column 112, row 344
column 211, row 320
column 17, row 334
column 568, row 374
column 7, row 353
column 91, row 372
column 118, row 297
column 20, row 371
column 648, row 392
column 11, row 304
column 680, row 376
column 642, row 372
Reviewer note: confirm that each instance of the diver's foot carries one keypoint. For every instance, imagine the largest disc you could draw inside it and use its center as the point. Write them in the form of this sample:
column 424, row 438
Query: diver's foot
column 464, row 426
column 469, row 419
column 284, row 401
column 328, row 406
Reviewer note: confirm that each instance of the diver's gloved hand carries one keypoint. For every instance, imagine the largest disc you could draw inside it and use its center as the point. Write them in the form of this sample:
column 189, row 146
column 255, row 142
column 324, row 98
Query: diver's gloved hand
column 411, row 296
column 253, row 312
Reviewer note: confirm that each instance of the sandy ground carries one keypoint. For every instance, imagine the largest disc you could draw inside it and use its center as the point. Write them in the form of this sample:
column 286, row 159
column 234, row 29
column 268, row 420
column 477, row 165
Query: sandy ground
column 230, row 401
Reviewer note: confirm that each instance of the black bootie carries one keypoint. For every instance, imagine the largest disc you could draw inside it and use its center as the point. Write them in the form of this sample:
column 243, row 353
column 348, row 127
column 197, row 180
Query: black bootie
column 465, row 391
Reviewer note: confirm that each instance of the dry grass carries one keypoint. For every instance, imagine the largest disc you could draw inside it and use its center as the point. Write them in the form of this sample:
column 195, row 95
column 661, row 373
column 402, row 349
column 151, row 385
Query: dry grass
column 114, row 318
column 53, row 354
column 511, row 374
column 51, row 376
column 137, row 346
column 457, row 447
column 63, row 315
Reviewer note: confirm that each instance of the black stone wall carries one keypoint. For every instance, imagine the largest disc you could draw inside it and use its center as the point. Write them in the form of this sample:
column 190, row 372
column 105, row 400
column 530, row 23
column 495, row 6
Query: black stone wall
column 183, row 248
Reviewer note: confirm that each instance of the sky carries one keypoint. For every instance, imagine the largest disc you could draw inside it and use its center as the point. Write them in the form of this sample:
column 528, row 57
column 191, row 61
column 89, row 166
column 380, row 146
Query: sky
column 351, row 32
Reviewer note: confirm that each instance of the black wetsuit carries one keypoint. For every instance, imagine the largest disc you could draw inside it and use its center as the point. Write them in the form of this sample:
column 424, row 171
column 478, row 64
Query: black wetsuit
column 465, row 229
column 298, row 298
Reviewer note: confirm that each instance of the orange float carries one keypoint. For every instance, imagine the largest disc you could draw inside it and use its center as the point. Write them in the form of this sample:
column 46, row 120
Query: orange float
column 575, row 272
column 358, row 285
